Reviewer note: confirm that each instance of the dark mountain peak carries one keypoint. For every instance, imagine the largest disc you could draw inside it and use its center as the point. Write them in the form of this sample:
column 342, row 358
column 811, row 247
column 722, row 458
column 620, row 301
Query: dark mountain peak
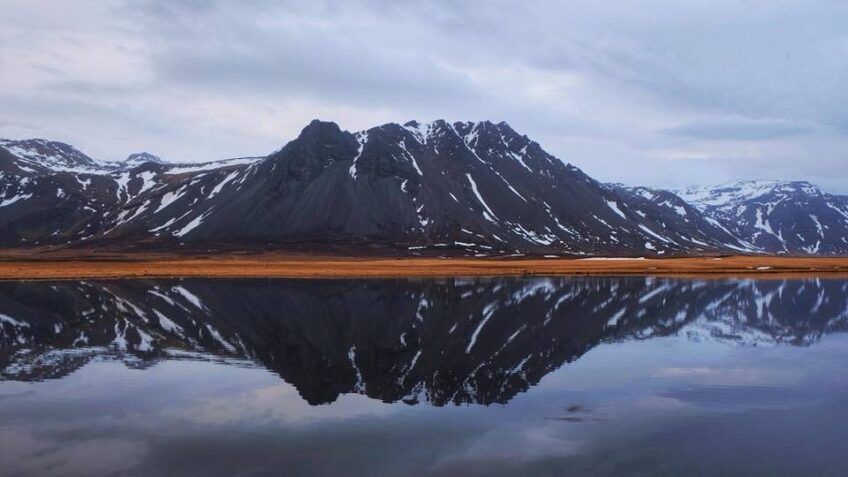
column 387, row 128
column 319, row 144
column 425, row 132
column 465, row 127
column 483, row 133
column 318, row 133
column 507, row 131
column 318, row 127
column 474, row 124
column 493, row 134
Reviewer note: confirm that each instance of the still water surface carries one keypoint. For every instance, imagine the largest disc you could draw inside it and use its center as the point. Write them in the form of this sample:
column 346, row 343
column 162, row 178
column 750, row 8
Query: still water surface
column 588, row 376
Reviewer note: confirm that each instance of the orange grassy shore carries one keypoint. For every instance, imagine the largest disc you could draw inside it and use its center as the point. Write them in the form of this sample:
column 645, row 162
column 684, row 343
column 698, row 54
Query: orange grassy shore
column 20, row 266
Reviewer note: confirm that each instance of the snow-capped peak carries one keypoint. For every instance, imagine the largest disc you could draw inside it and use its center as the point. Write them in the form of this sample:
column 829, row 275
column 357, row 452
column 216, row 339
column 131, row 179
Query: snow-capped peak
column 141, row 158
column 781, row 216
column 422, row 131
column 52, row 155
column 732, row 193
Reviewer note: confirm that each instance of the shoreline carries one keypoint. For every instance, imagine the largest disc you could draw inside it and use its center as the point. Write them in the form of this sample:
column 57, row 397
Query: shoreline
column 22, row 266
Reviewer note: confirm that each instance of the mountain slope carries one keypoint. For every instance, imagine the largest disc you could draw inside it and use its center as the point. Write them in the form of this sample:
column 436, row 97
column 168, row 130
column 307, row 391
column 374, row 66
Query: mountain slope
column 697, row 227
column 459, row 188
column 777, row 216
column 51, row 193
column 469, row 187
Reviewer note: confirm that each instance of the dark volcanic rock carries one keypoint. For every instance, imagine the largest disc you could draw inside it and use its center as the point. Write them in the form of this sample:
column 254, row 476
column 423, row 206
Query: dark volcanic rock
column 436, row 188
column 469, row 187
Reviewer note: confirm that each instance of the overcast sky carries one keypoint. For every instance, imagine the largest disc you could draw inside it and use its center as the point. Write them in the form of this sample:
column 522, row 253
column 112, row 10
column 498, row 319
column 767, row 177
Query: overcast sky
column 663, row 93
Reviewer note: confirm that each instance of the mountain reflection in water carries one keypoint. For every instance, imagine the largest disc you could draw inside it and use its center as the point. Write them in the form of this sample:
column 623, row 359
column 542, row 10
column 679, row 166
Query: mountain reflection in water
column 441, row 342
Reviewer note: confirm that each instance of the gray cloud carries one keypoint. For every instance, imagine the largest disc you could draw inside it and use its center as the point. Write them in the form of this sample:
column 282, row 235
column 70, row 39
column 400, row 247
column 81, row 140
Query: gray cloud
column 739, row 130
column 656, row 92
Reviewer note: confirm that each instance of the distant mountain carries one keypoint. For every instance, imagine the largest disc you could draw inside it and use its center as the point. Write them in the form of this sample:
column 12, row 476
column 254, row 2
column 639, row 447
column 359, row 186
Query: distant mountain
column 776, row 216
column 140, row 158
column 697, row 226
column 41, row 155
column 419, row 188
column 51, row 193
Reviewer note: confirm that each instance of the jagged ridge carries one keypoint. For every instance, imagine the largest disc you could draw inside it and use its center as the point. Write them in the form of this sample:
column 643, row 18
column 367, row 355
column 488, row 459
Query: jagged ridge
column 471, row 188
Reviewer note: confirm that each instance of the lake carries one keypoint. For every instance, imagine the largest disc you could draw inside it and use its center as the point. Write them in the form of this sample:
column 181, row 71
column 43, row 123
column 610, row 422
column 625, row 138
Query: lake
column 521, row 376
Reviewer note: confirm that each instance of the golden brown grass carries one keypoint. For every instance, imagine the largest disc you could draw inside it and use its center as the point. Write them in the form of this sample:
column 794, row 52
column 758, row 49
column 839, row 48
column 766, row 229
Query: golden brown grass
column 17, row 265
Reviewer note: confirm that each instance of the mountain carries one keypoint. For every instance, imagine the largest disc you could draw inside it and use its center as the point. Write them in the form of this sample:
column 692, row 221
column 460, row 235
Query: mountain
column 441, row 342
column 51, row 193
column 689, row 219
column 777, row 216
column 468, row 188
column 140, row 158
column 41, row 155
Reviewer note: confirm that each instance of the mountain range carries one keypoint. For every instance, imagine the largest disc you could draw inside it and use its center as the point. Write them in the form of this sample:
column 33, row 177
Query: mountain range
column 471, row 188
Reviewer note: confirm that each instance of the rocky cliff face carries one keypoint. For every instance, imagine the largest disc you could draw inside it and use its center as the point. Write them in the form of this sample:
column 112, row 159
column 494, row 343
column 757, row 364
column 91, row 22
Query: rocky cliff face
column 470, row 188
column 436, row 188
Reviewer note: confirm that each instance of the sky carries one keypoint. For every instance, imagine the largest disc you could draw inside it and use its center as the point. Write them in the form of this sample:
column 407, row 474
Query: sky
column 663, row 93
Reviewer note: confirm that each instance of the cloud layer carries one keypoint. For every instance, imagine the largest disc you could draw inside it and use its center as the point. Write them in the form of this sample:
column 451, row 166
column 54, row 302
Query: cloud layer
column 656, row 92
